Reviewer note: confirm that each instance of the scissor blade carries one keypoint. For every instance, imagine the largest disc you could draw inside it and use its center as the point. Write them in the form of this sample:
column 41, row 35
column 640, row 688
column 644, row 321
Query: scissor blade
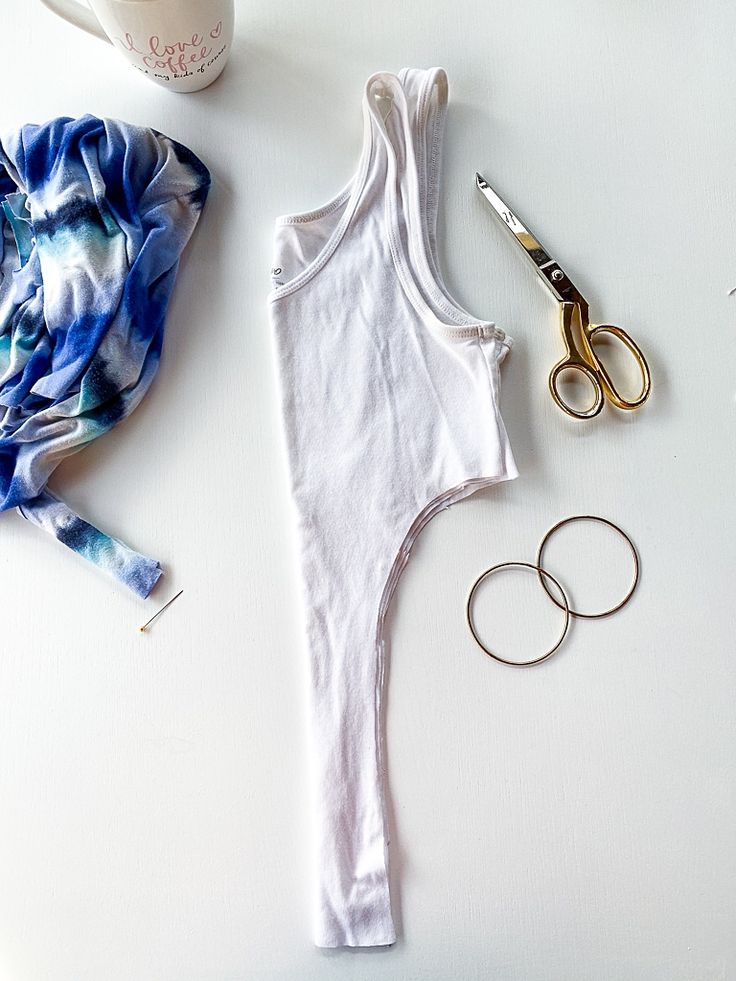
column 522, row 234
column 547, row 267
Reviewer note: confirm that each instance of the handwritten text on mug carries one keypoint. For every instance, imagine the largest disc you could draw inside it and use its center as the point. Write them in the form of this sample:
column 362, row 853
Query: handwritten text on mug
column 176, row 57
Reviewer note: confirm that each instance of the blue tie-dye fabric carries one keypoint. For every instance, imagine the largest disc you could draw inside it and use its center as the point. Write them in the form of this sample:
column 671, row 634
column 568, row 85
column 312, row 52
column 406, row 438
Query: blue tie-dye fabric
column 94, row 215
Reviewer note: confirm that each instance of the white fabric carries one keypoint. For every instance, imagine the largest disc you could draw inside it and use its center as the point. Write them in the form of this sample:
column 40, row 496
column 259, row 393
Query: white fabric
column 390, row 405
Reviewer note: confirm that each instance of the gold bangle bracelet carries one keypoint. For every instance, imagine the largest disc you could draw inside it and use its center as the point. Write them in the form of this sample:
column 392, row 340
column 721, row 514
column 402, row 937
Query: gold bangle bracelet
column 544, row 576
column 604, row 521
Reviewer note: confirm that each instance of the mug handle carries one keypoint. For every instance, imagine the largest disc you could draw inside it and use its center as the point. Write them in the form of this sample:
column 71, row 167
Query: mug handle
column 79, row 15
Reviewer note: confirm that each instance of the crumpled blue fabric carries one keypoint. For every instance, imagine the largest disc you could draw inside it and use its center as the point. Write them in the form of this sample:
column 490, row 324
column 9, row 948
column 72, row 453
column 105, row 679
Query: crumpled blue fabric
column 94, row 215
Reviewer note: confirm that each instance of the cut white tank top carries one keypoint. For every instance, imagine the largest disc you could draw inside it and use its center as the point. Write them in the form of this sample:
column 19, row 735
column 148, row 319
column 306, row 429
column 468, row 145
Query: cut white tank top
column 389, row 394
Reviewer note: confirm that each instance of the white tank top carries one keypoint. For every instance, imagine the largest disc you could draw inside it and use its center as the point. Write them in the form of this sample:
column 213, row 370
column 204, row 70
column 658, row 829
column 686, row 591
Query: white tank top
column 389, row 394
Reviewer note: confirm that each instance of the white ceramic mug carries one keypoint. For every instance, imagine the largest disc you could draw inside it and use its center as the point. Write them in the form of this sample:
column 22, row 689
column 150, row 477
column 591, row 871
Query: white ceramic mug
column 180, row 44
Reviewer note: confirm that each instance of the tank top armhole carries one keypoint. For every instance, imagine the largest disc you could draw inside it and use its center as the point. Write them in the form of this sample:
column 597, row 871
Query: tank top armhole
column 349, row 196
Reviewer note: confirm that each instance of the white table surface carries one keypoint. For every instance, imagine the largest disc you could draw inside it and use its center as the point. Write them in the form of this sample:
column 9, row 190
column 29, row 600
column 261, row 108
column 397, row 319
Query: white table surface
column 571, row 822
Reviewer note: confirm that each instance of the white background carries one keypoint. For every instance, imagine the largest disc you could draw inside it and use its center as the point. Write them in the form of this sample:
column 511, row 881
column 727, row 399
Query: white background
column 573, row 821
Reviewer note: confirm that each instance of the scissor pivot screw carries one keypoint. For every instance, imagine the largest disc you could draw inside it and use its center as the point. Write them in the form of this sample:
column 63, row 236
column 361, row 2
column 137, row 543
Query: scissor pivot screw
column 557, row 275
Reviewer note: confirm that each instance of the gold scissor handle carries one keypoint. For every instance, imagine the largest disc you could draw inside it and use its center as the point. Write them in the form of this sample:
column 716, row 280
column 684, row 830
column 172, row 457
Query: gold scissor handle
column 571, row 317
column 572, row 320
column 612, row 393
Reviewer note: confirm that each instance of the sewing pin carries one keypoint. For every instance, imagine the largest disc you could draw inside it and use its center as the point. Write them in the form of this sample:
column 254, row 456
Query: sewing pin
column 164, row 607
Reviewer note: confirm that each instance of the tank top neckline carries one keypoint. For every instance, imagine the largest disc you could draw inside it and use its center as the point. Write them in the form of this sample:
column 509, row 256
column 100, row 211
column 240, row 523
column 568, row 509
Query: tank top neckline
column 415, row 260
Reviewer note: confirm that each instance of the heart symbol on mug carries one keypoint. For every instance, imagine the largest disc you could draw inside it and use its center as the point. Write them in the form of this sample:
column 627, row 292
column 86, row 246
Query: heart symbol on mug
column 216, row 30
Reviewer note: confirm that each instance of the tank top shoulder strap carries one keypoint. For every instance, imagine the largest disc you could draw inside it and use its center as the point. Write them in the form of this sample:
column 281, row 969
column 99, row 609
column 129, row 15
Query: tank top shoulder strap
column 405, row 115
column 409, row 111
column 426, row 94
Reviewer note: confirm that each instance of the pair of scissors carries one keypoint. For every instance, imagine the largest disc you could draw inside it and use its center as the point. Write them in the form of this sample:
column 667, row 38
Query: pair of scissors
column 574, row 322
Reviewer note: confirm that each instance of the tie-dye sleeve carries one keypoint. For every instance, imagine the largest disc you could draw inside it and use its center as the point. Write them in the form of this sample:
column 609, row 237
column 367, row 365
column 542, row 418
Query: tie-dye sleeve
column 95, row 214
column 115, row 558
